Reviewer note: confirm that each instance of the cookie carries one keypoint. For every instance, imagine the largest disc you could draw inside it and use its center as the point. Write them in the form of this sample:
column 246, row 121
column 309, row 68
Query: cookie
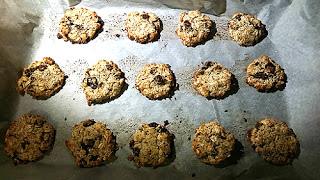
column 156, row 81
column 91, row 144
column 194, row 28
column 213, row 80
column 246, row 29
column 212, row 144
column 274, row 141
column 266, row 75
column 152, row 145
column 79, row 25
column 103, row 82
column 41, row 79
column 143, row 27
column 28, row 138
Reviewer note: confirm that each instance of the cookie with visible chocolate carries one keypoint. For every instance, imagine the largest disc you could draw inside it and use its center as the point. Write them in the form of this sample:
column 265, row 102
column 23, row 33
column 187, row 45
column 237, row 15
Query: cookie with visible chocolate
column 143, row 27
column 212, row 144
column 152, row 145
column 29, row 138
column 274, row 141
column 246, row 29
column 103, row 82
column 91, row 144
column 156, row 81
column 266, row 75
column 79, row 25
column 41, row 79
column 194, row 28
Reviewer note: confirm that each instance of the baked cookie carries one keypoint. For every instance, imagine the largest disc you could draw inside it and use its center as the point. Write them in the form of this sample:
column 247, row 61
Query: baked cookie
column 79, row 25
column 28, row 138
column 266, row 75
column 103, row 82
column 41, row 79
column 246, row 29
column 212, row 143
column 194, row 28
column 91, row 143
column 274, row 141
column 152, row 145
column 213, row 80
column 156, row 81
column 143, row 27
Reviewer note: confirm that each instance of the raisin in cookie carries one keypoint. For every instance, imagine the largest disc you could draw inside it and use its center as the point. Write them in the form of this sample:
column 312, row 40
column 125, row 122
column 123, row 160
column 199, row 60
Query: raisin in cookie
column 79, row 25
column 91, row 143
column 266, row 75
column 103, row 82
column 194, row 28
column 213, row 80
column 212, row 143
column 143, row 27
column 28, row 138
column 274, row 141
column 152, row 145
column 246, row 29
column 156, row 81
column 41, row 79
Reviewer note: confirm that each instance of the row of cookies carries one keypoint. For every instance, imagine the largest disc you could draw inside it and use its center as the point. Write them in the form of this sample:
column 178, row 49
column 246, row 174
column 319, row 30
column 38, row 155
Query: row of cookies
column 80, row 25
column 92, row 143
column 105, row 81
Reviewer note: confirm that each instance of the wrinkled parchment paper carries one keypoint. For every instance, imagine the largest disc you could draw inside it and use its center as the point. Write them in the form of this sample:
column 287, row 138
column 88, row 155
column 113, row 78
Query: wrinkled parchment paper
column 28, row 32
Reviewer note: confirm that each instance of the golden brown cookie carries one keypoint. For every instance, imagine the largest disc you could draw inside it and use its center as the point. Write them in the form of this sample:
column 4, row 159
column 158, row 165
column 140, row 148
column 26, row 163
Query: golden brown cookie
column 41, row 79
column 194, row 28
column 156, row 81
column 212, row 143
column 143, row 27
column 91, row 143
column 28, row 138
column 266, row 75
column 152, row 145
column 79, row 25
column 274, row 141
column 103, row 82
column 213, row 80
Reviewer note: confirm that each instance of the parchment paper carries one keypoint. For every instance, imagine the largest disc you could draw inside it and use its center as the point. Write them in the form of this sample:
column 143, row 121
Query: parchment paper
column 28, row 32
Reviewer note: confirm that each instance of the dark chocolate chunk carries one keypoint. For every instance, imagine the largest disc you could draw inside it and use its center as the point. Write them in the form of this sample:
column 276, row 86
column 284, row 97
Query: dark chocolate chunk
column 145, row 16
column 88, row 122
column 160, row 80
column 92, row 82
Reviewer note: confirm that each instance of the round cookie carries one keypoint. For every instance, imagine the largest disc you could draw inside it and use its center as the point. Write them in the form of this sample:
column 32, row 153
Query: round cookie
column 28, row 138
column 212, row 143
column 212, row 80
column 156, row 81
column 91, row 143
column 103, row 82
column 246, row 29
column 274, row 141
column 265, row 75
column 41, row 79
column 152, row 145
column 194, row 28
column 143, row 27
column 79, row 25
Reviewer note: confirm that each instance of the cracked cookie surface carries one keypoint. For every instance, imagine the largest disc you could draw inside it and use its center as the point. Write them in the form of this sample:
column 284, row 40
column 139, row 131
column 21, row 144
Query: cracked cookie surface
column 274, row 141
column 103, row 82
column 28, row 138
column 41, row 79
column 246, row 29
column 143, row 27
column 155, row 81
column 91, row 143
column 212, row 143
column 152, row 145
column 265, row 75
column 79, row 25
column 194, row 28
